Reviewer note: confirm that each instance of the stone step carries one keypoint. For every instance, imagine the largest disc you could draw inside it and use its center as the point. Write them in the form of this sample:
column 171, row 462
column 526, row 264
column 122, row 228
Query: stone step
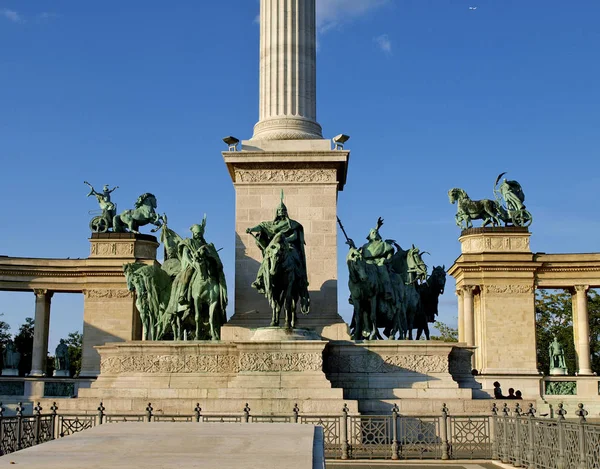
column 434, row 406
column 407, row 393
column 218, row 393
column 180, row 406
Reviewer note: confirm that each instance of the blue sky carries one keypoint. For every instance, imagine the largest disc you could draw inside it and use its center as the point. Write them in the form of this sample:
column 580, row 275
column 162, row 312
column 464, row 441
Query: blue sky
column 433, row 94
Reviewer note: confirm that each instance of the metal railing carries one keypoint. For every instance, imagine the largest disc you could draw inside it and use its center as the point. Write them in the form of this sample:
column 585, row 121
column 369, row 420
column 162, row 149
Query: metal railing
column 514, row 436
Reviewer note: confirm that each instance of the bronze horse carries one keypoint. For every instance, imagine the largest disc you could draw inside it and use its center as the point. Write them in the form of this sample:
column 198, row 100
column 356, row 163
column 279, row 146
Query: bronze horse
column 487, row 210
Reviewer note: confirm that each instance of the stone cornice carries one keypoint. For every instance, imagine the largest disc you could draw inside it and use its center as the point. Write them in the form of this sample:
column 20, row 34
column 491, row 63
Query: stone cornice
column 299, row 164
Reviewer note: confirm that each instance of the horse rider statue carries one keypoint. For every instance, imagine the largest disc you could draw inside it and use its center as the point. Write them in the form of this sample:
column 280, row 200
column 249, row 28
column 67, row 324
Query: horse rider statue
column 285, row 237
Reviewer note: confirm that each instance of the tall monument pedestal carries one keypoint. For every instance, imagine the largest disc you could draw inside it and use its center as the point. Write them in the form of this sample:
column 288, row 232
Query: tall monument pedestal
column 310, row 178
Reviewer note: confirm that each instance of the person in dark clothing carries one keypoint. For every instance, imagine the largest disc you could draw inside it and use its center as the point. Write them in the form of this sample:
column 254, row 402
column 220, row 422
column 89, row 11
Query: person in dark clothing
column 497, row 391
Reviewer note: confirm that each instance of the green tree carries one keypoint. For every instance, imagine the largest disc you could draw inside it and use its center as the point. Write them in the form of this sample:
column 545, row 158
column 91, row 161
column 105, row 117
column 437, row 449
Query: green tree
column 554, row 318
column 446, row 333
column 74, row 342
column 5, row 337
column 24, row 345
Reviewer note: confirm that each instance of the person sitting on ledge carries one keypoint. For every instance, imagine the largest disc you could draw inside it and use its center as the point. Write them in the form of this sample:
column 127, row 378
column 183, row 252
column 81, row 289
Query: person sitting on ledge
column 497, row 391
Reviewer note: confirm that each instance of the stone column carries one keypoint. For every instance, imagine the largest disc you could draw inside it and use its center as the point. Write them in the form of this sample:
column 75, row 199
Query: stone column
column 40, row 332
column 461, row 314
column 581, row 327
column 287, row 101
column 468, row 315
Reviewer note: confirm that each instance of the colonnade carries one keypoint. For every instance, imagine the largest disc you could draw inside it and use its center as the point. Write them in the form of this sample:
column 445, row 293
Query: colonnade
column 581, row 326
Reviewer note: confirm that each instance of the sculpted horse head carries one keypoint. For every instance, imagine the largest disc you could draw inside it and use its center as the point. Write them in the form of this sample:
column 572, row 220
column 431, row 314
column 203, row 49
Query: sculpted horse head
column 437, row 279
column 146, row 199
column 456, row 194
column 356, row 266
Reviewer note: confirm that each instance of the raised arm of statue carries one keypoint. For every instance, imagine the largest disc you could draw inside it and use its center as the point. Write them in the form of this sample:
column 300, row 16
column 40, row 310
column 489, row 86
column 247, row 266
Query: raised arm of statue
column 92, row 190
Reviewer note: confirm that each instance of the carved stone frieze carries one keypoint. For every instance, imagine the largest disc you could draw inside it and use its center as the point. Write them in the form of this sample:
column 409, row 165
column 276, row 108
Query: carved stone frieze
column 486, row 243
column 510, row 289
column 169, row 364
column 108, row 293
column 374, row 363
column 293, row 175
column 112, row 249
column 280, row 361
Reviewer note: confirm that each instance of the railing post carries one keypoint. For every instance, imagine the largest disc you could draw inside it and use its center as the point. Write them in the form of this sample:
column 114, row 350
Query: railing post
column 36, row 429
column 19, row 424
column 197, row 411
column 246, row 413
column 296, row 411
column 1, row 426
column 560, row 462
column 581, row 413
column 531, row 453
column 149, row 410
column 53, row 408
column 517, row 451
column 101, row 410
column 395, row 448
column 444, row 431
column 344, row 432
column 494, row 432
column 504, row 458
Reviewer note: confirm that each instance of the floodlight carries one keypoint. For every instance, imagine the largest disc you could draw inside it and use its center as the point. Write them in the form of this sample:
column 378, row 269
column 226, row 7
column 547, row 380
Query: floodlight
column 232, row 142
column 339, row 141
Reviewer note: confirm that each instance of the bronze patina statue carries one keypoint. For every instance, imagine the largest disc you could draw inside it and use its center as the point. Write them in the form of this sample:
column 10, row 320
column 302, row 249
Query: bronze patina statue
column 61, row 357
column 199, row 284
column 142, row 214
column 508, row 208
column 282, row 275
column 557, row 358
column 389, row 288
column 101, row 223
column 187, row 295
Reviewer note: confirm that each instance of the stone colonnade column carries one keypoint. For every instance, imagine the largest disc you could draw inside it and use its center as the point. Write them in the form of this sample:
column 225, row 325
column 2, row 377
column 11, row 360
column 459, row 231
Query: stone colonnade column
column 288, row 77
column 461, row 315
column 582, row 326
column 40, row 332
column 469, row 315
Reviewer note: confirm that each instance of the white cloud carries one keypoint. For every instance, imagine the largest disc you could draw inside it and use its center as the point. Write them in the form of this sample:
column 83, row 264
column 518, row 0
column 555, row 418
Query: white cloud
column 334, row 13
column 257, row 19
column 384, row 43
column 47, row 16
column 11, row 15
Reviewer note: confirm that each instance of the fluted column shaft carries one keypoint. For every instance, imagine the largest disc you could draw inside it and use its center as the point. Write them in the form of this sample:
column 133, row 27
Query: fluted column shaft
column 287, row 101
column 581, row 322
column 461, row 316
column 40, row 332
column 469, row 315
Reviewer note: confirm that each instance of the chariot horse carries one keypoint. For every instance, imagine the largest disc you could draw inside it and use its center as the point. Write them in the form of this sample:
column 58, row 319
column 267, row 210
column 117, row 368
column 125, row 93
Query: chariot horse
column 487, row 210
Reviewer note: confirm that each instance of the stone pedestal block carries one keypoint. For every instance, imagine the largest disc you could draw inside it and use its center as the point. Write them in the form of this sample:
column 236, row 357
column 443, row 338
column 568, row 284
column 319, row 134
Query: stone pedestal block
column 310, row 180
column 271, row 376
column 109, row 312
column 495, row 274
